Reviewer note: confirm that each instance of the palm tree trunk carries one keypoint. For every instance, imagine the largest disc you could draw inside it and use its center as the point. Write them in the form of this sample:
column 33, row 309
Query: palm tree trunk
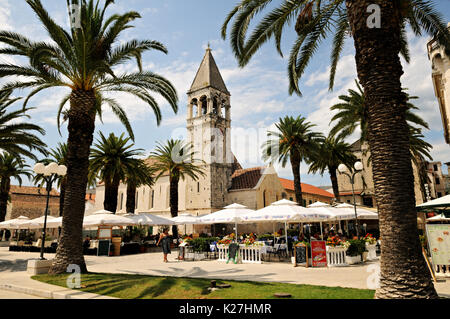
column 81, row 133
column 174, row 202
column 5, row 186
column 404, row 273
column 334, row 183
column 131, row 197
column 111, row 194
column 295, row 163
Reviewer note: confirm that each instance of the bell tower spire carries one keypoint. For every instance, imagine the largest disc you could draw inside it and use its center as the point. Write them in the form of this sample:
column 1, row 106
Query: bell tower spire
column 208, row 125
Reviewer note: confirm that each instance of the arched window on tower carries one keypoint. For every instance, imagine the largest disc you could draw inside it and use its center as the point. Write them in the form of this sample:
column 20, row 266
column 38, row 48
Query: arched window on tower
column 204, row 105
column 216, row 107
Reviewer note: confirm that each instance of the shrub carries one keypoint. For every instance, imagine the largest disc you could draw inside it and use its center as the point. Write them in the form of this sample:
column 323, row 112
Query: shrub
column 357, row 247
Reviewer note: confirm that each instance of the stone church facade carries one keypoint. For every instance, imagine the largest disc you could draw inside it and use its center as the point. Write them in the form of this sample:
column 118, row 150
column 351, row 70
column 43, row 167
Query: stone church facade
column 225, row 181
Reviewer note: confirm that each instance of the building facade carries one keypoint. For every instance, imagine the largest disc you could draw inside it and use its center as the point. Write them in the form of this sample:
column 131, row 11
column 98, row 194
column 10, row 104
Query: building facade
column 432, row 182
column 225, row 181
column 31, row 202
column 440, row 61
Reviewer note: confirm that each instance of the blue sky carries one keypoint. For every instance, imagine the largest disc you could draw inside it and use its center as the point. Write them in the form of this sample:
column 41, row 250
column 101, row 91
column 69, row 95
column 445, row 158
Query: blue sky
column 259, row 91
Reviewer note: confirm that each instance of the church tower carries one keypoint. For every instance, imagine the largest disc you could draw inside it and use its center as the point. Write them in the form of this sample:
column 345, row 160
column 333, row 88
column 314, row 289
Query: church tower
column 208, row 125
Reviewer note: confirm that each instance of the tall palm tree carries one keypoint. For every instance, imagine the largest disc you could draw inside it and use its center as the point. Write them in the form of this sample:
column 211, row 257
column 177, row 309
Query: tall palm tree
column 378, row 47
column 294, row 142
column 332, row 152
column 16, row 136
column 111, row 158
column 82, row 60
column 11, row 166
column 175, row 158
column 59, row 156
column 140, row 175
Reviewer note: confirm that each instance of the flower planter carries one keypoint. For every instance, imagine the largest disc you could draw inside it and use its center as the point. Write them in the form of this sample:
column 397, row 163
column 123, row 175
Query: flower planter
column 352, row 260
column 371, row 251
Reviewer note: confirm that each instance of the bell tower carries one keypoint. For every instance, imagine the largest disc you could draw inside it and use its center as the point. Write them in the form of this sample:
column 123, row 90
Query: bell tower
column 208, row 125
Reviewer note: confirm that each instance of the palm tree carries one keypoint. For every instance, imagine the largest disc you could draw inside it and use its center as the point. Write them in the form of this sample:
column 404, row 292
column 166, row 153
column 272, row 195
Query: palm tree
column 332, row 152
column 59, row 156
column 17, row 137
column 139, row 175
column 295, row 142
column 175, row 158
column 353, row 114
column 11, row 166
column 111, row 159
column 378, row 47
column 83, row 60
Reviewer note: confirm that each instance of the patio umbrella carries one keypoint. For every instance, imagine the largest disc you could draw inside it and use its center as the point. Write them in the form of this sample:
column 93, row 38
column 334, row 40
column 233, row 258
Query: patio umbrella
column 232, row 214
column 284, row 211
column 440, row 203
column 38, row 223
column 439, row 218
column 185, row 219
column 319, row 204
column 106, row 218
column 148, row 220
column 17, row 223
column 54, row 222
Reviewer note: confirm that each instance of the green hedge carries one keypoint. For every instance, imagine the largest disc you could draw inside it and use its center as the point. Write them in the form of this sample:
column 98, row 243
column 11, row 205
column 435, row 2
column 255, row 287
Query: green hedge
column 201, row 244
column 356, row 248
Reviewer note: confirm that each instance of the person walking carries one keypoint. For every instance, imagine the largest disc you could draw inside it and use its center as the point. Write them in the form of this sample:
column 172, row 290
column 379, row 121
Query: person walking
column 164, row 238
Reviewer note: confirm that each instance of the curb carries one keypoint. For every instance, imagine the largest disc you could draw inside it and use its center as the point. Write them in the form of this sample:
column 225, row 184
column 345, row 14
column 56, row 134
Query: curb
column 63, row 294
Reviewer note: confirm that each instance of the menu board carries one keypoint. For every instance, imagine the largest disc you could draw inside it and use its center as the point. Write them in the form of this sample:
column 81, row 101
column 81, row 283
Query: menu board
column 439, row 243
column 103, row 248
column 318, row 253
column 301, row 255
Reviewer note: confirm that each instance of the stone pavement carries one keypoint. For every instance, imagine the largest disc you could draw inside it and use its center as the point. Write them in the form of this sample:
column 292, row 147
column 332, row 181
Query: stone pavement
column 13, row 269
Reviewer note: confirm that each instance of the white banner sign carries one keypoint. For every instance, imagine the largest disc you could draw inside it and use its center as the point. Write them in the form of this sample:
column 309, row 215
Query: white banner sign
column 439, row 243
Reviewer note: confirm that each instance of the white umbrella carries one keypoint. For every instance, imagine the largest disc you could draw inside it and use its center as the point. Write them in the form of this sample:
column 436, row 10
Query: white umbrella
column 38, row 223
column 438, row 218
column 18, row 223
column 345, row 213
column 284, row 211
column 442, row 202
column 319, row 204
column 106, row 218
column 186, row 219
column 54, row 222
column 149, row 220
column 232, row 214
column 344, row 205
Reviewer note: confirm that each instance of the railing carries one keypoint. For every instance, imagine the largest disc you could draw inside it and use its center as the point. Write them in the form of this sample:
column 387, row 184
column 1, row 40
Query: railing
column 223, row 252
column 250, row 254
column 247, row 254
column 336, row 256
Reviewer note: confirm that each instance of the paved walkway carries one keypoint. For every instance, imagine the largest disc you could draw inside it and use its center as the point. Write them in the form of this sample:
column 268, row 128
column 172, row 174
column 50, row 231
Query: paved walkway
column 13, row 269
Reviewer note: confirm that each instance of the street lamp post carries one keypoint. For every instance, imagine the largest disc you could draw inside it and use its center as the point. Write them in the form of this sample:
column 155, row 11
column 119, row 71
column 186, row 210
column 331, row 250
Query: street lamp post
column 50, row 174
column 358, row 167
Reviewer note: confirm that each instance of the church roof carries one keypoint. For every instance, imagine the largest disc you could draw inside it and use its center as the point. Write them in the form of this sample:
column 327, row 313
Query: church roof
column 208, row 75
column 306, row 188
column 246, row 178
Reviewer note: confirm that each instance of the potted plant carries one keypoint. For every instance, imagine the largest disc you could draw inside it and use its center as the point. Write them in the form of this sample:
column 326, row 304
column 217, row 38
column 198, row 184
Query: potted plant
column 371, row 245
column 355, row 250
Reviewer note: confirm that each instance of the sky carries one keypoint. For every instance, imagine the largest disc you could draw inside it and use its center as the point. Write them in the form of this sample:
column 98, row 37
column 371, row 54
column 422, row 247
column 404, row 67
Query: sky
column 259, row 91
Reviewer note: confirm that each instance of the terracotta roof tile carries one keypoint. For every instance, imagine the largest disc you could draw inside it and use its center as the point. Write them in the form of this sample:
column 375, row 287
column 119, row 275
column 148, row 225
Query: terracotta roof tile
column 246, row 178
column 306, row 188
column 28, row 190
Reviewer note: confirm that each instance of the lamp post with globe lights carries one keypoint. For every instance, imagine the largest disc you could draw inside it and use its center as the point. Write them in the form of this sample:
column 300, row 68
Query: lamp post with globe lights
column 50, row 174
column 358, row 168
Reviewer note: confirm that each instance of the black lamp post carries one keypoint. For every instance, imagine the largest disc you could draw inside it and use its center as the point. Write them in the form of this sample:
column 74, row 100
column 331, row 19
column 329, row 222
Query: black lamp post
column 358, row 167
column 50, row 174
